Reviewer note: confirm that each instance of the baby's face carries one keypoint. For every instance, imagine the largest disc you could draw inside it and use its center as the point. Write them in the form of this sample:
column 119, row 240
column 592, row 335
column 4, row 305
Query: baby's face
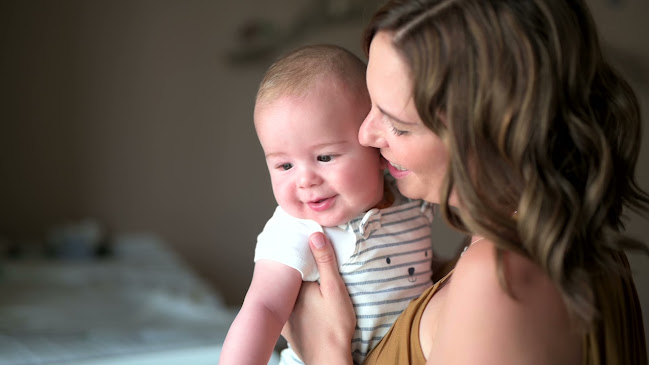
column 318, row 169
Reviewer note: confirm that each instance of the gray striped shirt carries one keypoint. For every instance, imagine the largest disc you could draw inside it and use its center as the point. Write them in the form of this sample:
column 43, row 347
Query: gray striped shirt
column 384, row 256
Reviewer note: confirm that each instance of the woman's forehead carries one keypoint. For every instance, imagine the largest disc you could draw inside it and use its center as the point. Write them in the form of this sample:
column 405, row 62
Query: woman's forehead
column 388, row 79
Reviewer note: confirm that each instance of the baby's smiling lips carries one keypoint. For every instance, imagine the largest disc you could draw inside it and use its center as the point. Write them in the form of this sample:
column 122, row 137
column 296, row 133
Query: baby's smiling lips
column 319, row 205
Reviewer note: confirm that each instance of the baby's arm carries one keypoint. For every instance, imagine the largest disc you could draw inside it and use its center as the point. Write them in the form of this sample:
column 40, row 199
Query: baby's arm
column 267, row 306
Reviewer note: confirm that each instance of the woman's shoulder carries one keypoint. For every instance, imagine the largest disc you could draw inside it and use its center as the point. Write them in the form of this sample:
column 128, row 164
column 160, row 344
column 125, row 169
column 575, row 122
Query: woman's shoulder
column 526, row 323
column 523, row 279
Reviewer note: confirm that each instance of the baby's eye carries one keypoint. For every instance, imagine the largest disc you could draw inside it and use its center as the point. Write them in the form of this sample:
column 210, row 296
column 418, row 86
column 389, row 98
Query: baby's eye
column 325, row 158
column 285, row 166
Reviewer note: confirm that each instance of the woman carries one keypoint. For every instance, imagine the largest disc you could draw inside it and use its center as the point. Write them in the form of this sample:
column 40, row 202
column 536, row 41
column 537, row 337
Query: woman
column 505, row 113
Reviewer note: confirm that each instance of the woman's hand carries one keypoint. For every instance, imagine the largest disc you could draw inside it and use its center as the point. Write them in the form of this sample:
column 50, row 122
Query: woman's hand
column 322, row 324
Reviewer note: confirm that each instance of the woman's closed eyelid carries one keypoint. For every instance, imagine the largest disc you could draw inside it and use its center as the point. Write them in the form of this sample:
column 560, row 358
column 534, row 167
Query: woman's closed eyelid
column 398, row 132
column 390, row 123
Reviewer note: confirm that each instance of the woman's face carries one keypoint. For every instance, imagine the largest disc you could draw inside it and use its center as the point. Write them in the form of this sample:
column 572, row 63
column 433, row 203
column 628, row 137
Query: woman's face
column 416, row 156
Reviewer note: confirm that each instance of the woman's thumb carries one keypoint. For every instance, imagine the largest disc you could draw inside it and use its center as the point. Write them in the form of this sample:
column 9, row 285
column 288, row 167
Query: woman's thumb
column 325, row 257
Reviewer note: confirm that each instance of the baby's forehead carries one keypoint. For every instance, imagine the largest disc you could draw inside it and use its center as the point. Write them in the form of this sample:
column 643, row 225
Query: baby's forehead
column 319, row 90
column 323, row 82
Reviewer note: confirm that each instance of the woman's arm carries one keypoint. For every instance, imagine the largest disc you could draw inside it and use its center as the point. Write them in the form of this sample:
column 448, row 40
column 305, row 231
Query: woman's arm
column 264, row 312
column 322, row 324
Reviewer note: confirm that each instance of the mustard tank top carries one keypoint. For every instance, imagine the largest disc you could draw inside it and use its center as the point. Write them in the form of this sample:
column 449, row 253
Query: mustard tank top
column 401, row 344
column 616, row 336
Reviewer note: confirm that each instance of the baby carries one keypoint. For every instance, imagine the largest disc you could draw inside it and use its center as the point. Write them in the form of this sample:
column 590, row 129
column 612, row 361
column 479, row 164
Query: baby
column 308, row 111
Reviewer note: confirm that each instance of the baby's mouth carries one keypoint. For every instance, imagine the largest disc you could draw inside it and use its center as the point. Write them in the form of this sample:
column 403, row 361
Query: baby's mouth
column 320, row 205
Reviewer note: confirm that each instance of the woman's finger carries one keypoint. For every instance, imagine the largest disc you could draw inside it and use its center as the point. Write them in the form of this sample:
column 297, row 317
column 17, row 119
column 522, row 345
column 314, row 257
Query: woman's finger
column 325, row 259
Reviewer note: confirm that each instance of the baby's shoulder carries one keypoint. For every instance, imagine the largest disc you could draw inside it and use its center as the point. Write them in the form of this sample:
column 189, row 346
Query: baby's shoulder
column 284, row 228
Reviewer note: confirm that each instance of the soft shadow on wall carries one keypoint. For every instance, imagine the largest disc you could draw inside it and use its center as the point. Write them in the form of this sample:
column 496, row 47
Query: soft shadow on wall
column 139, row 114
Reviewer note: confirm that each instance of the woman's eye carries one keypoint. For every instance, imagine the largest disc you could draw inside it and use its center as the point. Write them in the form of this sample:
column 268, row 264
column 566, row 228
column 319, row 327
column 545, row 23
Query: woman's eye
column 398, row 132
column 325, row 158
column 285, row 166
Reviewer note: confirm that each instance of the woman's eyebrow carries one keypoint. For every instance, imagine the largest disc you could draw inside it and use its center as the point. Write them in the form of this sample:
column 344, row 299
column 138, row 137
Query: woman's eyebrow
column 391, row 116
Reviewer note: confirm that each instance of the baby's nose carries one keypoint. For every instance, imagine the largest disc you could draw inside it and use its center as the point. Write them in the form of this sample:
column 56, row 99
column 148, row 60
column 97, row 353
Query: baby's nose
column 308, row 178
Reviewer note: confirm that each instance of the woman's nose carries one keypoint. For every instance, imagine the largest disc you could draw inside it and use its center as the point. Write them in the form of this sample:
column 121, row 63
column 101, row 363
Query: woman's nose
column 370, row 134
column 308, row 178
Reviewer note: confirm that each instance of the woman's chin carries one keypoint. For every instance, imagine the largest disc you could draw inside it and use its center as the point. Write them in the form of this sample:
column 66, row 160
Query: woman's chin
column 412, row 192
column 408, row 191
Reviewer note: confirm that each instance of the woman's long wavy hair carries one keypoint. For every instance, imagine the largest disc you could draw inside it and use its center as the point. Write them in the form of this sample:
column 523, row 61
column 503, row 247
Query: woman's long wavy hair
column 536, row 122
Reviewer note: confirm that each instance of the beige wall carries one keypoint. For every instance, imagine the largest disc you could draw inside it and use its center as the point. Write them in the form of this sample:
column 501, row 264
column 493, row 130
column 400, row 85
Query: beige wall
column 128, row 112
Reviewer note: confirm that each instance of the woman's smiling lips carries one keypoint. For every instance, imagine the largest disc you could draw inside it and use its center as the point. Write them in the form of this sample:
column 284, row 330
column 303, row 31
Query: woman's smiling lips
column 397, row 171
column 321, row 204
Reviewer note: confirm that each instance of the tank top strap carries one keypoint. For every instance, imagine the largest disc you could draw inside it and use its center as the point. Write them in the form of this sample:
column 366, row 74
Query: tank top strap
column 401, row 344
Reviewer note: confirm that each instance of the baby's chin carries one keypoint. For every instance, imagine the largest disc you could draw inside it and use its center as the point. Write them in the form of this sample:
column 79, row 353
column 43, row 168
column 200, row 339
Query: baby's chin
column 323, row 219
column 332, row 222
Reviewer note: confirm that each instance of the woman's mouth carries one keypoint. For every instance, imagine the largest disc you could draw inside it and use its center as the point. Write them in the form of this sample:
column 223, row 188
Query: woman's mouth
column 397, row 171
column 398, row 167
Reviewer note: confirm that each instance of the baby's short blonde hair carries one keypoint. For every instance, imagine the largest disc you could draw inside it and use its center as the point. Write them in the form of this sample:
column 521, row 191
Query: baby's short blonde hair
column 297, row 72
